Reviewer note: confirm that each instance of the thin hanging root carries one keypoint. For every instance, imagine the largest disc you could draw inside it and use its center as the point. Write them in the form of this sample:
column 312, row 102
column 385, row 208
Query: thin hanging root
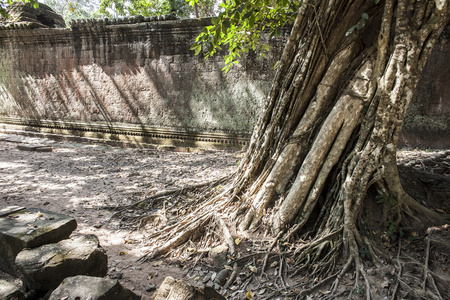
column 230, row 241
column 227, row 235
column 171, row 192
column 375, row 260
column 179, row 239
column 359, row 267
column 425, row 267
column 366, row 281
column 399, row 273
column 280, row 273
column 433, row 284
column 266, row 257
column 426, row 272
column 307, row 248
column 318, row 285
column 344, row 270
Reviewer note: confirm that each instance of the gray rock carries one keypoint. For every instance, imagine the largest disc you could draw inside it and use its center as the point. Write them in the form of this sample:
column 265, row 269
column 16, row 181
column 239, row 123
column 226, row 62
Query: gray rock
column 9, row 291
column 116, row 275
column 93, row 288
column 150, row 287
column 207, row 278
column 209, row 293
column 221, row 277
column 218, row 255
column 213, row 276
column 45, row 267
column 34, row 147
column 172, row 289
column 30, row 228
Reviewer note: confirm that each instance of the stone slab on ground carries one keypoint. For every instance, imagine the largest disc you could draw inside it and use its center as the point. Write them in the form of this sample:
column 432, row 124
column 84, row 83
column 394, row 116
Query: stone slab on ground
column 9, row 291
column 93, row 288
column 45, row 267
column 30, row 228
column 17, row 139
column 34, row 147
column 7, row 210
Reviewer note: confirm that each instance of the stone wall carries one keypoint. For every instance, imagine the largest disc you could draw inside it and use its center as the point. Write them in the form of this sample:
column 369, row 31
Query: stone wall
column 134, row 76
column 141, row 74
column 427, row 123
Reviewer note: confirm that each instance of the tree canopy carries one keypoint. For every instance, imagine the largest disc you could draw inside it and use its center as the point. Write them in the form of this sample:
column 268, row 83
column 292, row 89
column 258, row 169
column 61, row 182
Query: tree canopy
column 78, row 9
column 4, row 5
column 146, row 8
column 241, row 24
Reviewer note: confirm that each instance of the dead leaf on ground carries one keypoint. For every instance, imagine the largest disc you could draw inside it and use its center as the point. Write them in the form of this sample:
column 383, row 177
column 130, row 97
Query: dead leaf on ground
column 157, row 263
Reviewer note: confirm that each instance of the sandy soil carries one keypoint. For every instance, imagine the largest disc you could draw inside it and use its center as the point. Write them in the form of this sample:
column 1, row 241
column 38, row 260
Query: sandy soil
column 83, row 180
column 86, row 180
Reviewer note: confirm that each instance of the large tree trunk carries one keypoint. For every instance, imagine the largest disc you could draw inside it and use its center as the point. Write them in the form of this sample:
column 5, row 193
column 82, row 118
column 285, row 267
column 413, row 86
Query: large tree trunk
column 331, row 126
column 335, row 111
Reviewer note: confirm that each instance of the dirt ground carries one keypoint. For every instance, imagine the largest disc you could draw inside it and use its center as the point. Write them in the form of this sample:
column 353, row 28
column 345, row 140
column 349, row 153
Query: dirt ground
column 87, row 181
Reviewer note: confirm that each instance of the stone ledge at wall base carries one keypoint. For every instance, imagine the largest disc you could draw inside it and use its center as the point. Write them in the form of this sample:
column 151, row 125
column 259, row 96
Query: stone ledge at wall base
column 93, row 288
column 45, row 267
column 129, row 134
column 22, row 228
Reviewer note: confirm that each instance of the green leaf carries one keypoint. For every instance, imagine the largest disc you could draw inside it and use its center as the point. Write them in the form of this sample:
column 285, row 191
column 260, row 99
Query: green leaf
column 365, row 16
column 252, row 20
column 276, row 64
column 195, row 46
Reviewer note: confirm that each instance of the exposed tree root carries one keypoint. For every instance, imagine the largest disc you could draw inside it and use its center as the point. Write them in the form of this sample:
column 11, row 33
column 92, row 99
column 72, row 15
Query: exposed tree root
column 168, row 192
column 329, row 134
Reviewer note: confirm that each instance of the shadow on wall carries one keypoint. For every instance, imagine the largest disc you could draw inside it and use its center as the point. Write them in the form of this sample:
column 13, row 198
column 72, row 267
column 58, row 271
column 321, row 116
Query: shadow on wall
column 142, row 77
column 144, row 74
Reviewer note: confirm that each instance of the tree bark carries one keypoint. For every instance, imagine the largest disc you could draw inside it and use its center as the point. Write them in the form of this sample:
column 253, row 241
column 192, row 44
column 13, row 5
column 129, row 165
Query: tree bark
column 330, row 128
column 337, row 107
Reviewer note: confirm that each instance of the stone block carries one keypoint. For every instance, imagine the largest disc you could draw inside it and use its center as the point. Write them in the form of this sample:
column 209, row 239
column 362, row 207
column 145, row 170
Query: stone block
column 37, row 148
column 9, row 291
column 7, row 210
column 93, row 288
column 173, row 289
column 30, row 228
column 218, row 255
column 45, row 267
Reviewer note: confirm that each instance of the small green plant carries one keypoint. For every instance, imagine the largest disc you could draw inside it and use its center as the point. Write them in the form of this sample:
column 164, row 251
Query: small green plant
column 359, row 289
column 393, row 230
column 359, row 25
column 388, row 201
column 364, row 253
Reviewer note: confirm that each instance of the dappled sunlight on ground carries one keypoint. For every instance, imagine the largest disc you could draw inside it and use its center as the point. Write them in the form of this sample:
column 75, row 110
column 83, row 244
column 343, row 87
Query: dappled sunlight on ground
column 86, row 181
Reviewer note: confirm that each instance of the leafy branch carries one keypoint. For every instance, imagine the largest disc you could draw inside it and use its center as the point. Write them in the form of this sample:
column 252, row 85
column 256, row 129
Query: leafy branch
column 240, row 27
column 4, row 4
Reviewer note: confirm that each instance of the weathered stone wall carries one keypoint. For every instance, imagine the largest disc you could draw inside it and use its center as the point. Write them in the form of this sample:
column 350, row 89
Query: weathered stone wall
column 144, row 75
column 427, row 123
